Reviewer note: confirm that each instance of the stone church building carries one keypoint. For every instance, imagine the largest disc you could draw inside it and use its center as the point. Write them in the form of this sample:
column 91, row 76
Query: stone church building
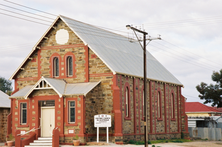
column 77, row 70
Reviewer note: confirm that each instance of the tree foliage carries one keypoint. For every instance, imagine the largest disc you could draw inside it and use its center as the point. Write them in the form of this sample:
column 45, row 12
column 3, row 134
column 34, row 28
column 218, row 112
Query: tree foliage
column 212, row 93
column 5, row 85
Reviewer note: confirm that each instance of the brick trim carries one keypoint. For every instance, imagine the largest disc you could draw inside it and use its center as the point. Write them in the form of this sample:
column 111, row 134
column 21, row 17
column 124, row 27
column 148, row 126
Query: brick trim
column 27, row 113
column 86, row 63
column 142, row 90
column 159, row 98
column 117, row 107
column 39, row 64
column 73, row 65
column 172, row 107
column 127, row 86
column 67, row 112
column 62, row 46
column 165, row 108
column 51, row 65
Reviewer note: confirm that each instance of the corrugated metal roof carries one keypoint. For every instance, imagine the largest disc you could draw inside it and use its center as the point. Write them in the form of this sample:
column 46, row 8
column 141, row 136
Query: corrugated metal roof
column 60, row 86
column 118, row 53
column 23, row 92
column 57, row 84
column 5, row 102
column 80, row 88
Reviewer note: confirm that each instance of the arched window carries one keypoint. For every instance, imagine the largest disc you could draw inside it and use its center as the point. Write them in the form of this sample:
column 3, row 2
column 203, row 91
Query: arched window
column 143, row 104
column 127, row 102
column 55, row 67
column 172, row 106
column 69, row 66
column 159, row 105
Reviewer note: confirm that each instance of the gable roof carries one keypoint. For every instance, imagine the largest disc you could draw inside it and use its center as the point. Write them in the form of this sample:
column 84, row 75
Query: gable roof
column 117, row 52
column 58, row 85
column 195, row 107
column 5, row 102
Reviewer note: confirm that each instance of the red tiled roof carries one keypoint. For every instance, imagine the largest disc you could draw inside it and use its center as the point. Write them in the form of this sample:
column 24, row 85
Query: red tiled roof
column 219, row 109
column 198, row 107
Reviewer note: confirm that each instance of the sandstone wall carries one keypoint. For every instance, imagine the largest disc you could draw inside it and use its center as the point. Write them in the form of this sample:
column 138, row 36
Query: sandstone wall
column 4, row 112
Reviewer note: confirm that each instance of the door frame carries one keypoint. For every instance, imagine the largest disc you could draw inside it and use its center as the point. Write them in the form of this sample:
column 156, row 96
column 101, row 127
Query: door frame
column 49, row 107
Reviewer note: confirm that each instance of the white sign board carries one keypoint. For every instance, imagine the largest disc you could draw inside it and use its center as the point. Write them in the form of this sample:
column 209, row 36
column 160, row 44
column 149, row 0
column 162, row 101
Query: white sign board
column 102, row 120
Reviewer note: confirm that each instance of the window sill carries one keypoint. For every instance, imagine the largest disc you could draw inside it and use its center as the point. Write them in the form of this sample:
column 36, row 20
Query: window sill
column 159, row 119
column 20, row 125
column 71, row 124
column 127, row 118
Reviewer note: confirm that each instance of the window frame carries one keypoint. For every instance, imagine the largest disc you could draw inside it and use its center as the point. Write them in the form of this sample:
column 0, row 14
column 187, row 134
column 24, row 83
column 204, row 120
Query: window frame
column 21, row 113
column 172, row 103
column 143, row 100
column 55, row 62
column 69, row 114
column 127, row 100
column 159, row 105
column 68, row 66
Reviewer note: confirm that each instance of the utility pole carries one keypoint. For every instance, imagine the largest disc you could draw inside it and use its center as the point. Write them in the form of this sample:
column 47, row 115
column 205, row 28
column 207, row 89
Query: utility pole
column 145, row 78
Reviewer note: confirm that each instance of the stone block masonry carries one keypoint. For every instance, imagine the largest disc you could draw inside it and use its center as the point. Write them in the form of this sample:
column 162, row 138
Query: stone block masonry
column 4, row 112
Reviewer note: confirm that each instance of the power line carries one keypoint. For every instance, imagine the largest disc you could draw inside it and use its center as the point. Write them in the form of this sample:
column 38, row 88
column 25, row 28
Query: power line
column 189, row 58
column 25, row 11
column 25, row 15
column 82, row 28
column 191, row 52
column 182, row 59
column 29, row 8
column 24, row 19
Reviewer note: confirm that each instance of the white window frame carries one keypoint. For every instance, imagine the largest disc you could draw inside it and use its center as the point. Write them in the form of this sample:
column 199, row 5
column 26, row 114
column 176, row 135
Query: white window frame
column 69, row 114
column 21, row 113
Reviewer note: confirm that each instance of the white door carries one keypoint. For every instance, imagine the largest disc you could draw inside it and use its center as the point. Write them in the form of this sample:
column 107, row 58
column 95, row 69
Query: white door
column 47, row 121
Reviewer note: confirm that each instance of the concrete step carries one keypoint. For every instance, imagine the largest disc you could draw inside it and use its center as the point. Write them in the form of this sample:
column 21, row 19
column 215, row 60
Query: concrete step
column 45, row 138
column 41, row 142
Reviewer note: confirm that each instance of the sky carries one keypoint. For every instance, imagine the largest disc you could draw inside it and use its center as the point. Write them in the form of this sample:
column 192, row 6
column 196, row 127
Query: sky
column 191, row 31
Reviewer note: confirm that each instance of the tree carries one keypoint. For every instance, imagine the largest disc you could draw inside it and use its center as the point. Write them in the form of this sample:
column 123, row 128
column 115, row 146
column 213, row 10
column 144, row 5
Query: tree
column 5, row 85
column 212, row 93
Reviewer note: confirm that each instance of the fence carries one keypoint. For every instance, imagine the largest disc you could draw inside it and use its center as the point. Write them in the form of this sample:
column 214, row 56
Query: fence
column 206, row 133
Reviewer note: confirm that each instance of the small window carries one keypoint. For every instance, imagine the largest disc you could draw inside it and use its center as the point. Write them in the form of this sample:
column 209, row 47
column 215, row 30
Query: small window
column 23, row 112
column 55, row 67
column 172, row 106
column 72, row 113
column 159, row 105
column 127, row 102
column 69, row 66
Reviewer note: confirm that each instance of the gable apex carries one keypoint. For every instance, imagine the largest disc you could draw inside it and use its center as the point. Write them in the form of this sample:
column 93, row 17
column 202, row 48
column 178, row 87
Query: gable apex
column 36, row 47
